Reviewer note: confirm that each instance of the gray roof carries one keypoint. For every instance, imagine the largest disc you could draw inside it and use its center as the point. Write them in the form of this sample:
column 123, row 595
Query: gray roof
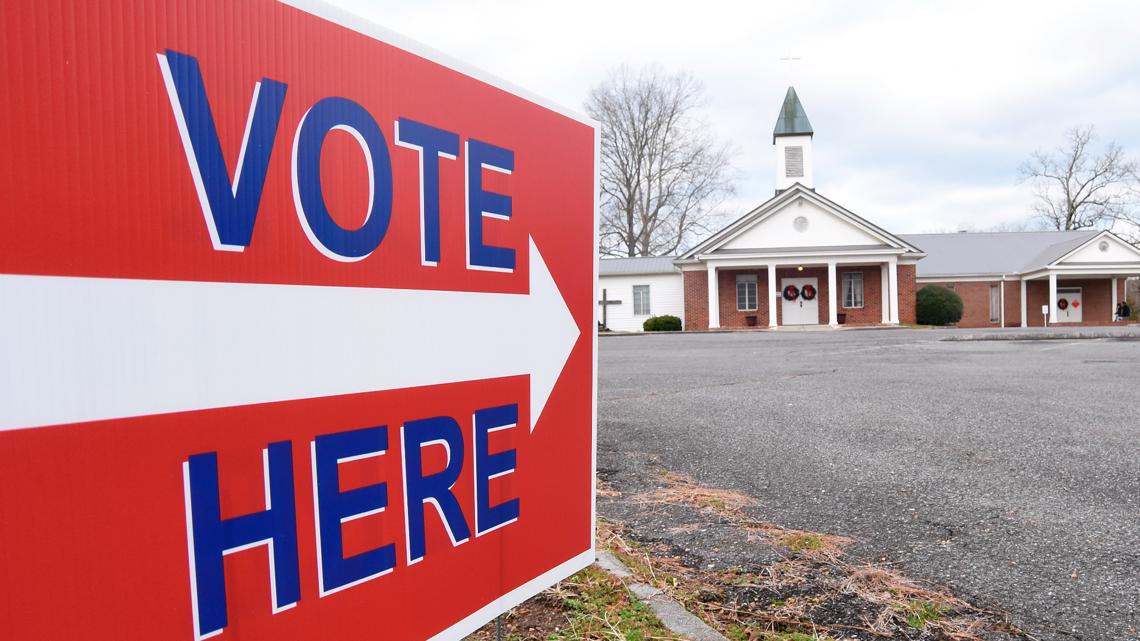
column 637, row 265
column 793, row 120
column 967, row 253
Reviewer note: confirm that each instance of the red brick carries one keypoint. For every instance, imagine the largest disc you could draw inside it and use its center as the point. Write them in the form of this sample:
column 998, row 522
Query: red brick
column 1096, row 295
column 696, row 300
column 907, row 290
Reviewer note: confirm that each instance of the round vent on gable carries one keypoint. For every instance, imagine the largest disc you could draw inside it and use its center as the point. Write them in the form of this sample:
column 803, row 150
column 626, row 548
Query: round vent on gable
column 1103, row 246
column 800, row 223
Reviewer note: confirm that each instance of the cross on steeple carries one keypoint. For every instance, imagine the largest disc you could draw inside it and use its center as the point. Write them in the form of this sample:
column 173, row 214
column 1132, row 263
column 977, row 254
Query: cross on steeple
column 791, row 61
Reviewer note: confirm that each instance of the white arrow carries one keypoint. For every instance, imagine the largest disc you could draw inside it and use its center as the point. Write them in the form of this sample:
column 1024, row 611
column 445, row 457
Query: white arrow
column 83, row 349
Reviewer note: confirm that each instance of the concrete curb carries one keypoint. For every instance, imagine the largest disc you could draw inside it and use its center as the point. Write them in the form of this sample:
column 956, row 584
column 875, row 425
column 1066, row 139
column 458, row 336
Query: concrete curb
column 673, row 615
column 1042, row 336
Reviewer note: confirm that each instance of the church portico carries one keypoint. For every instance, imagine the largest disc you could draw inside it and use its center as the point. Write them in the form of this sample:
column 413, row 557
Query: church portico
column 797, row 290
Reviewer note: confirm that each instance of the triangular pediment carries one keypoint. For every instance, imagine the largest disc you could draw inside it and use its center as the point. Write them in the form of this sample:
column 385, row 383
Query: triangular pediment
column 1103, row 249
column 802, row 223
column 799, row 218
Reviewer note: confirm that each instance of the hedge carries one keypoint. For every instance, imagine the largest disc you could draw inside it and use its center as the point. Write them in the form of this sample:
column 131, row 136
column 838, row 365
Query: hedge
column 665, row 323
column 937, row 306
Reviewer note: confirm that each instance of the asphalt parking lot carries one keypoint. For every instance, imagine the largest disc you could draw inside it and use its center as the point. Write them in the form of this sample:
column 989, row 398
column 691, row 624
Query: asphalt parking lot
column 1008, row 471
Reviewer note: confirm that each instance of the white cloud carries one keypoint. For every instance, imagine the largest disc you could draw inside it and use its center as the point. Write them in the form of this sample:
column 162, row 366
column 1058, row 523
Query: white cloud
column 922, row 111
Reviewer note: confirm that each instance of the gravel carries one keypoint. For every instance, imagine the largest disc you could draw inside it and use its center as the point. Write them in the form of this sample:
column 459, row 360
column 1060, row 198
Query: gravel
column 1008, row 471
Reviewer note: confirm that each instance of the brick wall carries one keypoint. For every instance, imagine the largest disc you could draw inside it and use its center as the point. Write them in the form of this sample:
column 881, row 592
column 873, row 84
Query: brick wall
column 729, row 316
column 975, row 297
column 872, row 311
column 1096, row 297
column 1013, row 304
column 696, row 300
column 696, row 296
column 907, row 290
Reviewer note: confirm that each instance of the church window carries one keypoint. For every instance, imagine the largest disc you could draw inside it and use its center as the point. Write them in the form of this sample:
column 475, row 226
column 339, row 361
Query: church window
column 853, row 289
column 641, row 300
column 746, row 292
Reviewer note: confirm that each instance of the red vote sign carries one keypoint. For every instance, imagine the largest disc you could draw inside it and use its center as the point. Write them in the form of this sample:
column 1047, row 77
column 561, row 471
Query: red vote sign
column 296, row 328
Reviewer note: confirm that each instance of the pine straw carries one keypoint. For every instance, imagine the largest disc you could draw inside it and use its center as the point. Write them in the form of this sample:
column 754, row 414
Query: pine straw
column 606, row 489
column 680, row 489
column 815, row 571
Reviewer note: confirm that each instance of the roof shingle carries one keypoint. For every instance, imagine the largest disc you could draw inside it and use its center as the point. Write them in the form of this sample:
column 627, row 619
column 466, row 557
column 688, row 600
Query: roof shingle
column 967, row 253
column 638, row 265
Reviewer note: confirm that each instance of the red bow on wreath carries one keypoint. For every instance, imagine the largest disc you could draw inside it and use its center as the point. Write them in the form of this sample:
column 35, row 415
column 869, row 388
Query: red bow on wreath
column 1062, row 304
column 808, row 292
column 791, row 292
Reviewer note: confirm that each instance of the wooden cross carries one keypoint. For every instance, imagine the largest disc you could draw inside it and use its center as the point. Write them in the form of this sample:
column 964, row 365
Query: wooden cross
column 605, row 303
column 791, row 61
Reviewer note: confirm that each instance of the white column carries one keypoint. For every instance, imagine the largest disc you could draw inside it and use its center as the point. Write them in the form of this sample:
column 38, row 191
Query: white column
column 714, row 298
column 1052, row 297
column 1115, row 302
column 1003, row 301
column 832, row 306
column 893, row 278
column 885, row 290
column 1025, row 307
column 772, row 311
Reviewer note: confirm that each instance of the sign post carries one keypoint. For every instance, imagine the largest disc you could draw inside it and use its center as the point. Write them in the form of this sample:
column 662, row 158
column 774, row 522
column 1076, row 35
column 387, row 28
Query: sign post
column 297, row 328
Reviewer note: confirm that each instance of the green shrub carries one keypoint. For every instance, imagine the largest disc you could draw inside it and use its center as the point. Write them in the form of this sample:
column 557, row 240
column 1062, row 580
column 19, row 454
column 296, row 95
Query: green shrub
column 937, row 306
column 664, row 323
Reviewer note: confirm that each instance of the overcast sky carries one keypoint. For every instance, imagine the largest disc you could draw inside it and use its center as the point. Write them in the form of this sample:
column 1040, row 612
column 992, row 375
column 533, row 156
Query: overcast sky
column 922, row 111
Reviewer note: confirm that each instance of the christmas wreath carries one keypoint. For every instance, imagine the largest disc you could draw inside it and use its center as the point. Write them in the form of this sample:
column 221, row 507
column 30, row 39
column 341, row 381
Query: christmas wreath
column 1062, row 304
column 808, row 292
column 791, row 292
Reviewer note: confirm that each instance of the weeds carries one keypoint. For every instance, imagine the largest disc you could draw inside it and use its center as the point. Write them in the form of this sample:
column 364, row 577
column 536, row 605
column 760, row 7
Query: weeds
column 803, row 542
column 920, row 613
column 814, row 594
column 805, row 589
column 598, row 606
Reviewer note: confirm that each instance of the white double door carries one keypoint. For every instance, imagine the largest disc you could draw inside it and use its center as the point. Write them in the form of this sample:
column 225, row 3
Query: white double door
column 1070, row 305
column 799, row 311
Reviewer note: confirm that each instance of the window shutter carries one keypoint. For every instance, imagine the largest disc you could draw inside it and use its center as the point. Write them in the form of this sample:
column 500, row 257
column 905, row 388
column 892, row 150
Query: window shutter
column 794, row 162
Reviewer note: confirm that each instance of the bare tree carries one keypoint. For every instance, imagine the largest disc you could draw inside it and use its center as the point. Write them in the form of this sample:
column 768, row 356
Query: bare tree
column 1076, row 188
column 662, row 172
column 1130, row 230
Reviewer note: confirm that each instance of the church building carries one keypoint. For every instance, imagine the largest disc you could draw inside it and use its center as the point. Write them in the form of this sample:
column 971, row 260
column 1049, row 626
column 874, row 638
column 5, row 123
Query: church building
column 803, row 259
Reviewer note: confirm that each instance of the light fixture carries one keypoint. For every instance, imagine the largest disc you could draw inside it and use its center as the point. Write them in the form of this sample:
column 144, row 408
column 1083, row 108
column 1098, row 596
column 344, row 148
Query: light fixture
column 799, row 268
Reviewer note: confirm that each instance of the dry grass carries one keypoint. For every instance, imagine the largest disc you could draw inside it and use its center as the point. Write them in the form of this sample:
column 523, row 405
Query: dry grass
column 681, row 489
column 592, row 605
column 795, row 599
column 815, row 571
column 606, row 489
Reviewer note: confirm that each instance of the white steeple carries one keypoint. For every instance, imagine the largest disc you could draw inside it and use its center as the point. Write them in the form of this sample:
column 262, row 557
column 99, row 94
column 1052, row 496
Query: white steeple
column 792, row 138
